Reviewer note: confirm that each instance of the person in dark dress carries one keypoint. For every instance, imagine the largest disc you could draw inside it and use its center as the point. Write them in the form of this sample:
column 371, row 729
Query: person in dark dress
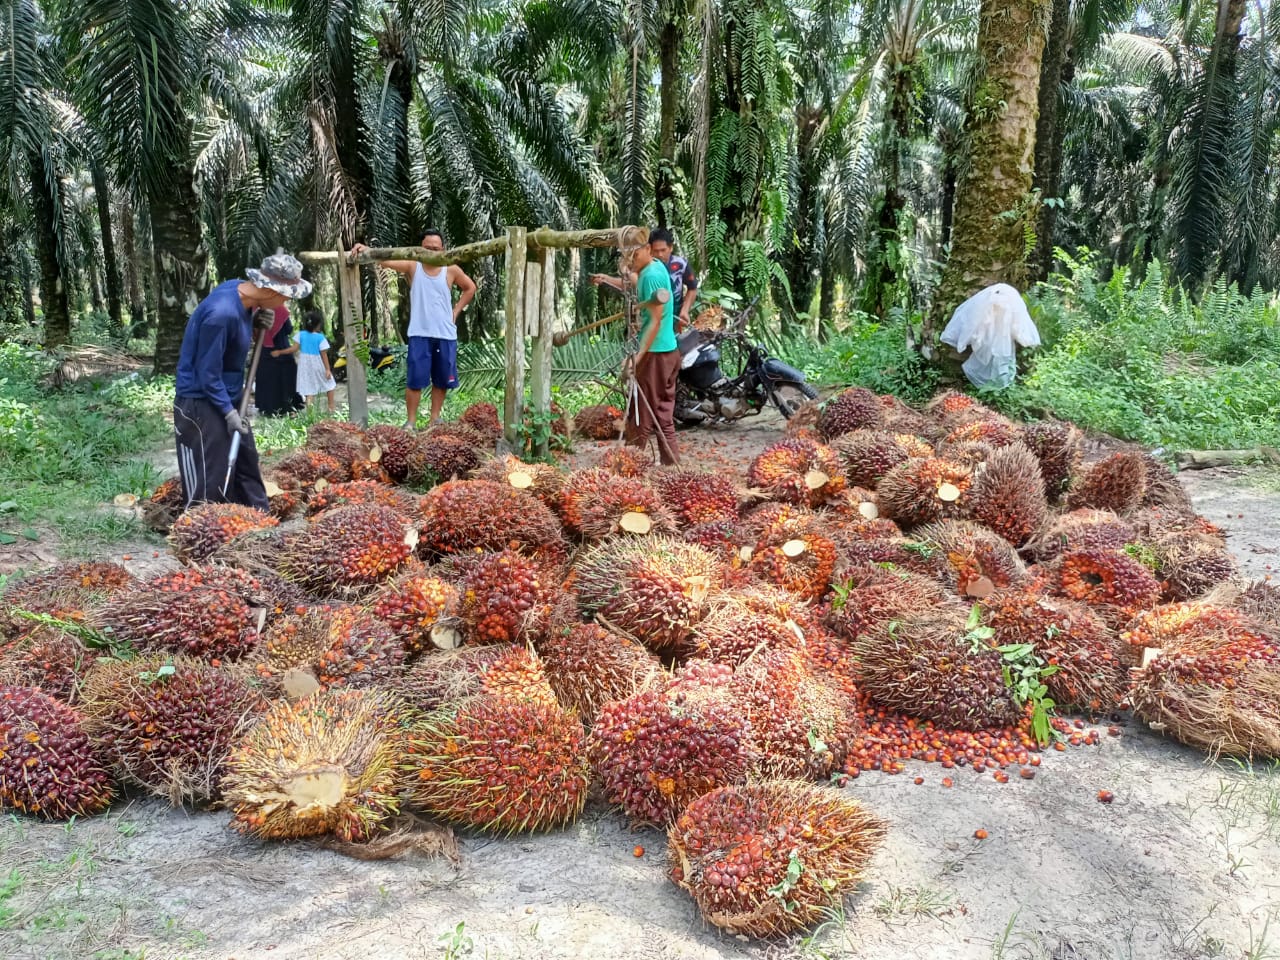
column 275, row 393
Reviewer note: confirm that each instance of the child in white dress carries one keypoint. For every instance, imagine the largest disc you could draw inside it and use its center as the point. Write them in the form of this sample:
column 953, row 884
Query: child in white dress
column 312, row 348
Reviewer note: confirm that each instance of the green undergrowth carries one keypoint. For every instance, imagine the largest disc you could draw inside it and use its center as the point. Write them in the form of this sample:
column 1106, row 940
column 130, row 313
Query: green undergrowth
column 64, row 454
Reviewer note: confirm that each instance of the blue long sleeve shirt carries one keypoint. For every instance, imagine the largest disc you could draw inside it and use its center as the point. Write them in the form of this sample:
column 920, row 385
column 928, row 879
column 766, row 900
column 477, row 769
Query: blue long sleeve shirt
column 214, row 346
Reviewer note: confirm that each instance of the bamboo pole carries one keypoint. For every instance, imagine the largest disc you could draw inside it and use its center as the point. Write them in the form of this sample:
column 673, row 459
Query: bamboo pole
column 543, row 341
column 513, row 394
column 351, row 305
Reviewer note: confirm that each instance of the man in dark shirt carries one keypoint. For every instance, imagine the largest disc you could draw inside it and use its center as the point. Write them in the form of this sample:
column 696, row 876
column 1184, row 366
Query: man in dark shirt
column 210, row 382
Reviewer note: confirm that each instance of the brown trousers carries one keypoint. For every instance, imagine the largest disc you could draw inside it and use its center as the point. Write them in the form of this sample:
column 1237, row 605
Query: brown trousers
column 656, row 376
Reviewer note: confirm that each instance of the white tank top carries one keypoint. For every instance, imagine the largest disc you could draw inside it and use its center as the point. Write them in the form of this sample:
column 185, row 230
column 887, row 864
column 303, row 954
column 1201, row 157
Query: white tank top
column 431, row 306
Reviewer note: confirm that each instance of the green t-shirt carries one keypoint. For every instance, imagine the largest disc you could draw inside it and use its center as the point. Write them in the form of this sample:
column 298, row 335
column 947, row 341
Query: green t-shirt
column 653, row 278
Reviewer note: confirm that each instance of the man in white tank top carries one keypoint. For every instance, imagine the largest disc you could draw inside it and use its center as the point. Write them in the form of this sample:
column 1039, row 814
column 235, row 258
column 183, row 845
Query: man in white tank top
column 433, row 326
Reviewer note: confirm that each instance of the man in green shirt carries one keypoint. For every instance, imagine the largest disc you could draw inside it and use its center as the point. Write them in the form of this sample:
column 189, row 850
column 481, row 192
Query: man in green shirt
column 657, row 361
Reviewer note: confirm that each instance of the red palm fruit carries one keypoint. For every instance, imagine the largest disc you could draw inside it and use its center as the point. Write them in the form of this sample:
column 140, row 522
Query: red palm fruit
column 412, row 605
column 854, row 409
column 924, row 490
column 66, row 592
column 308, row 466
column 994, row 433
column 696, row 496
column 48, row 766
column 360, row 493
column 734, row 629
column 204, row 621
column 977, row 560
column 797, row 471
column 867, row 455
column 450, row 676
column 348, row 550
column 1117, row 483
column 207, row 526
column 654, row 590
column 756, row 520
column 597, row 504
column 1085, row 529
column 501, row 765
column 1058, row 446
column 1007, row 494
column 326, row 765
column 588, row 667
column 395, row 446
column 483, row 418
column 506, row 598
column 324, row 647
column 626, row 461
column 601, row 421
column 463, row 516
column 1109, row 580
column 735, row 851
column 438, row 457
column 871, row 595
column 344, row 441
column 927, row 664
column 540, row 480
column 55, row 661
column 167, row 723
column 796, row 556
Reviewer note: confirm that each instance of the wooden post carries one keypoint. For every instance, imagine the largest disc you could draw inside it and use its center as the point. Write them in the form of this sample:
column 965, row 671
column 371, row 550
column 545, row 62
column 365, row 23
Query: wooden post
column 532, row 288
column 351, row 304
column 513, row 393
column 540, row 359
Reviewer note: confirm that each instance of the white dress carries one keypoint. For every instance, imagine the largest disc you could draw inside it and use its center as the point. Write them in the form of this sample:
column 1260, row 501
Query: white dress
column 311, row 376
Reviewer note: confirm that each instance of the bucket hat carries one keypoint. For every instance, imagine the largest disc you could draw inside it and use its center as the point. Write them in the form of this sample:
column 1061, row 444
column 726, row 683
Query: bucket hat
column 282, row 273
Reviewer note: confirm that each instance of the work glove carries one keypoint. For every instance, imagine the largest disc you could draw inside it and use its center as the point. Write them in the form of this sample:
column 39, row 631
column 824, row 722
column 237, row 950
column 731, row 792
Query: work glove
column 235, row 424
column 263, row 320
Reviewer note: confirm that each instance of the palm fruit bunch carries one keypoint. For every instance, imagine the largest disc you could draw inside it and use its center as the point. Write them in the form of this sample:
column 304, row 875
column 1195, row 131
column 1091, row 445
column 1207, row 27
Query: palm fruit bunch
column 65, row 592
column 971, row 454
column 207, row 526
column 931, row 664
column 977, row 560
column 922, row 490
column 867, row 455
column 856, row 507
column 997, row 432
column 901, row 418
column 1058, row 446
column 501, row 764
column 505, row 597
column 284, row 495
column 482, row 417
column 588, row 666
column 769, row 859
column 601, row 421
column 871, row 595
column 804, row 421
column 1217, row 689
column 1111, row 581
column 1199, row 626
column 654, row 591
column 329, row 765
column 500, row 670
column 1085, row 529
column 261, row 591
column 539, row 479
column 900, row 552
column 725, row 538
column 344, row 441
column 463, row 516
column 797, row 471
column 371, row 469
column 597, row 504
column 348, row 549
column 756, row 520
column 626, row 461
column 1117, row 483
column 855, row 409
column 164, row 505
column 1007, row 494
column 1163, row 490
column 1091, row 669
column 952, row 409
column 801, row 723
column 412, row 604
column 1261, row 601
column 167, row 723
column 360, row 493
column 734, row 629
column 796, row 556
column 441, row 457
column 395, row 444
column 48, row 657
column 696, row 496
column 1191, row 564
column 308, row 466
column 205, row 621
column 48, row 766
column 324, row 647
column 660, row 749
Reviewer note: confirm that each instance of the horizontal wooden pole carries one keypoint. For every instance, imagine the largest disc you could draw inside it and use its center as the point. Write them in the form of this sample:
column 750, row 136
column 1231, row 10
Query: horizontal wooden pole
column 542, row 238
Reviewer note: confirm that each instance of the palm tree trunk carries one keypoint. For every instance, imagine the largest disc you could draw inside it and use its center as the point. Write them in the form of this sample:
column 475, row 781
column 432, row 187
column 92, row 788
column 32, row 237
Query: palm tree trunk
column 95, row 282
column 827, row 299
column 53, row 291
column 993, row 198
column 28, row 290
column 803, row 258
column 884, row 284
column 132, row 267
column 110, row 265
column 1049, row 133
column 948, row 199
column 668, row 102
column 182, row 265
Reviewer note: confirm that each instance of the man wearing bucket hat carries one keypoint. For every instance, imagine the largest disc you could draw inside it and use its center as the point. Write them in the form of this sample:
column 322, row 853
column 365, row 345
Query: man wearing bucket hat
column 210, row 382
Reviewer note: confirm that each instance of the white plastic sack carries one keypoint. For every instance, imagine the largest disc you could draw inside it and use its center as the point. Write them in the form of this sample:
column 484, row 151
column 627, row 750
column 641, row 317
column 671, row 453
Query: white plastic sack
column 990, row 324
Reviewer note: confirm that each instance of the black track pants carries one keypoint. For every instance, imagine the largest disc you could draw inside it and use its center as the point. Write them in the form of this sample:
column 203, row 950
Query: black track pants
column 204, row 445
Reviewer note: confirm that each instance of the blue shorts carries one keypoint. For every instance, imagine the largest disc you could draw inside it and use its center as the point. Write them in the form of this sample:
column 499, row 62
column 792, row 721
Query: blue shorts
column 432, row 363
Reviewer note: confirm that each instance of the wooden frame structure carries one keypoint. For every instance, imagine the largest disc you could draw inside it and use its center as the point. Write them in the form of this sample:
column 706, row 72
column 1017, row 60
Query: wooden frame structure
column 529, row 306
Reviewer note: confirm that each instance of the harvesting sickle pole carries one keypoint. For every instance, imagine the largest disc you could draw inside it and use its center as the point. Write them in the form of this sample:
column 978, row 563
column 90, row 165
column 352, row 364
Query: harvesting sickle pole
column 244, row 407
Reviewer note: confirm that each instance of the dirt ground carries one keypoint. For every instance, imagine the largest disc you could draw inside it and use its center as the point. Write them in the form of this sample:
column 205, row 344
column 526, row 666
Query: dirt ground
column 1185, row 864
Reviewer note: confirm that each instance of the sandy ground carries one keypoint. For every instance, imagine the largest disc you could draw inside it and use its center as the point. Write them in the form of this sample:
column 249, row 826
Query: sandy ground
column 1185, row 864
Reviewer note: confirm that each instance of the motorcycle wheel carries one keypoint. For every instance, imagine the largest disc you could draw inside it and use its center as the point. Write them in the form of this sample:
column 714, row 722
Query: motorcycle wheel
column 790, row 396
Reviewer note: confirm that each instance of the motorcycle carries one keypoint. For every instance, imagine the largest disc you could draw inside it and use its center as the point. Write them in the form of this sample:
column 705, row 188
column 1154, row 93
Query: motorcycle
column 380, row 358
column 706, row 394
